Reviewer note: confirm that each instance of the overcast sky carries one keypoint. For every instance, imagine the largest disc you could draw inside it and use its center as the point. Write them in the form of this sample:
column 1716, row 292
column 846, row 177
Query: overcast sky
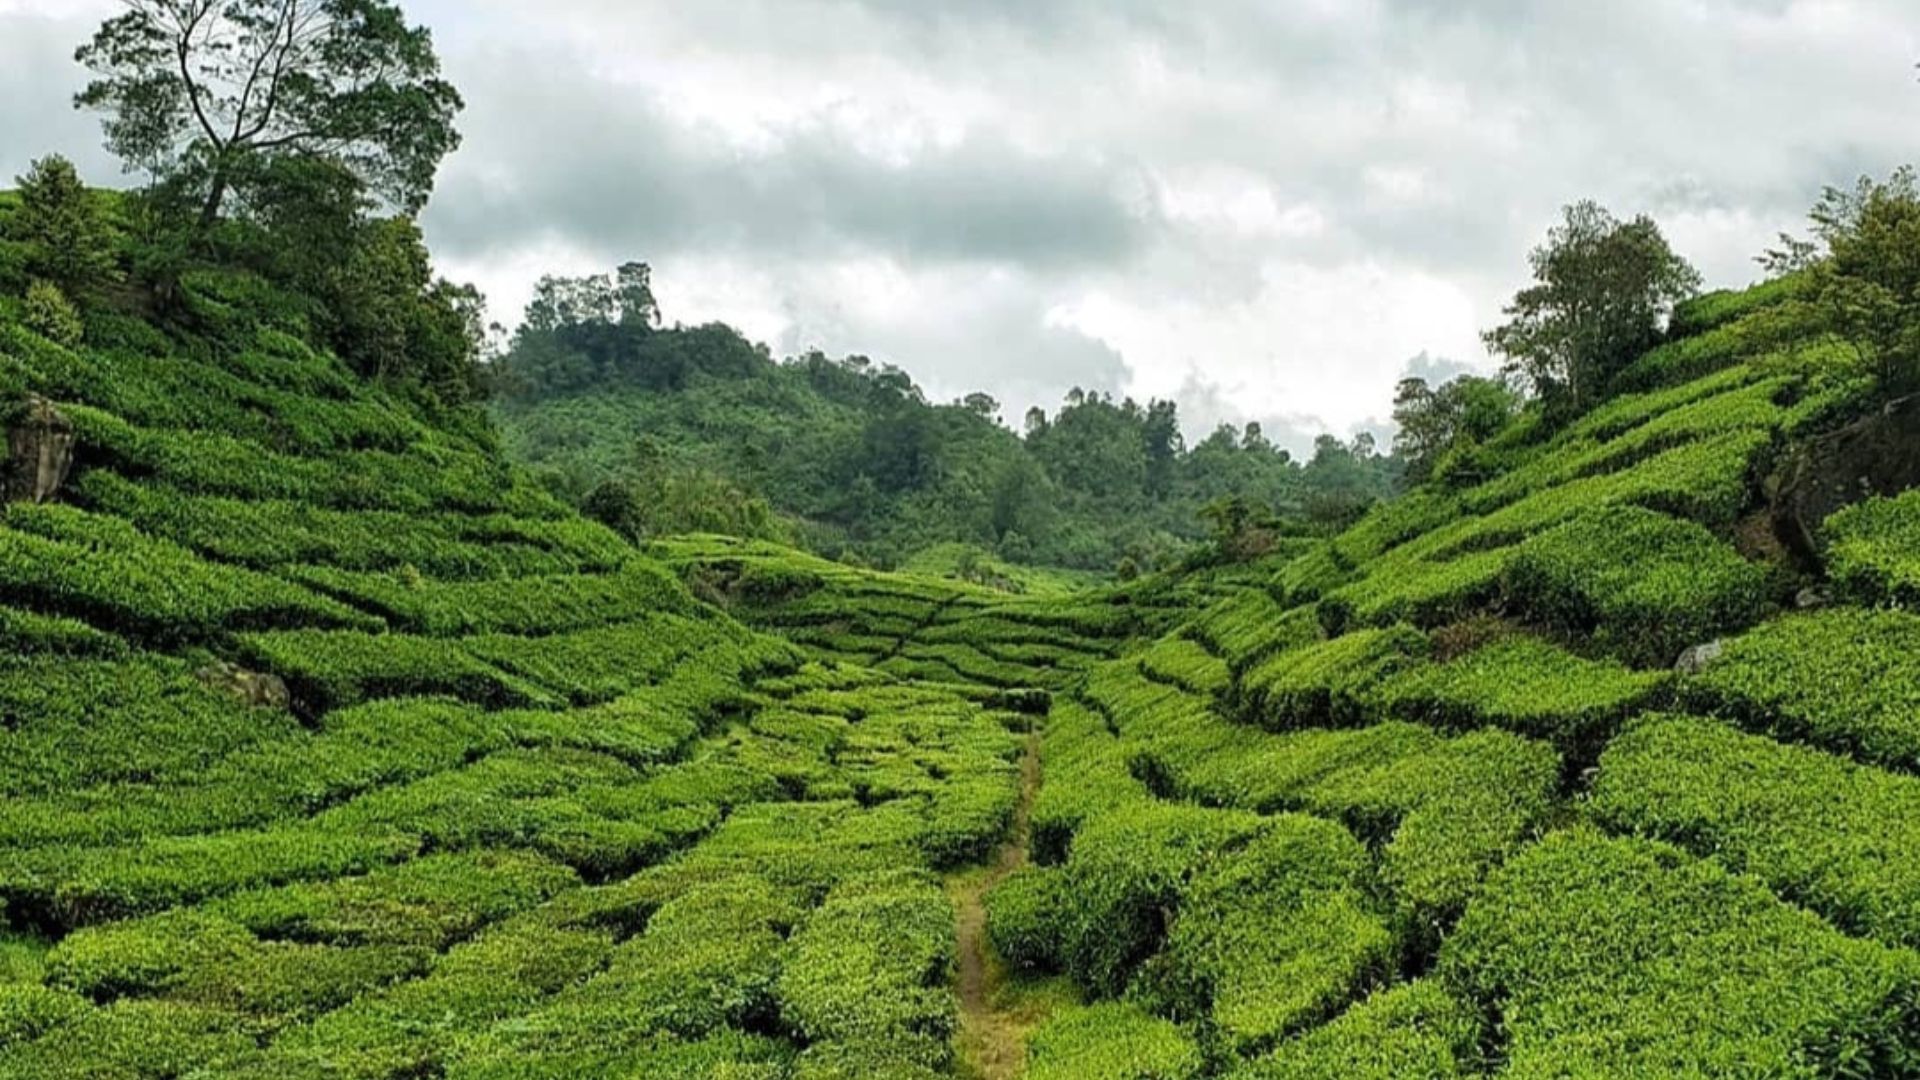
column 1269, row 209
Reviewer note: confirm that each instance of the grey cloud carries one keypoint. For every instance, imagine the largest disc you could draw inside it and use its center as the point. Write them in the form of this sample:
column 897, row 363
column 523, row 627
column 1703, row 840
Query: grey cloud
column 614, row 171
column 38, row 79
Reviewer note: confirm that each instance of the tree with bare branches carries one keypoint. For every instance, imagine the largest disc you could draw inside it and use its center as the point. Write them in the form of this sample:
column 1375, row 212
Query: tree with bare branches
column 198, row 92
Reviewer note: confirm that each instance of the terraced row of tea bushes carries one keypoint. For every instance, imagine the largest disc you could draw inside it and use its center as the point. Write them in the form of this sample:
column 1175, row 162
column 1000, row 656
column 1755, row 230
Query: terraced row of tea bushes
column 270, row 534
column 1873, row 552
column 276, row 392
column 1846, row 680
column 1833, row 836
column 915, row 628
column 1681, row 968
column 758, row 944
column 59, row 560
column 427, row 478
column 1638, row 584
column 1440, row 810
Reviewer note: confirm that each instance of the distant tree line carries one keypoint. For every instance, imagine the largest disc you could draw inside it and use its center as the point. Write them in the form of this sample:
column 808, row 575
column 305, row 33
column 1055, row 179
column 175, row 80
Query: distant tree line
column 656, row 428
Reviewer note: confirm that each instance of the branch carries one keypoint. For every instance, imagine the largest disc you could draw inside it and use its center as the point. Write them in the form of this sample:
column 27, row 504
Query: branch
column 186, row 75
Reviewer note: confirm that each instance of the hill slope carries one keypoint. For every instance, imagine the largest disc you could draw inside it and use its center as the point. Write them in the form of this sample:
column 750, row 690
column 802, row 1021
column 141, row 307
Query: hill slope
column 710, row 433
column 333, row 748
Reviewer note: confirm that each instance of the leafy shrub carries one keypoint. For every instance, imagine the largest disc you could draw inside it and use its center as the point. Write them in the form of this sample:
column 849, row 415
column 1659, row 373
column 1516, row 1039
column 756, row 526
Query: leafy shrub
column 50, row 314
column 1127, row 869
column 1839, row 838
column 526, row 605
column 1251, row 626
column 70, row 887
column 73, row 724
column 1628, row 958
column 1319, row 684
column 1525, row 685
column 1873, row 551
column 28, row 633
column 1273, row 936
column 101, row 569
column 334, row 669
column 1845, row 680
column 1644, row 585
column 1112, row 1042
column 870, row 967
column 1412, row 1032
column 1086, row 775
column 1021, row 918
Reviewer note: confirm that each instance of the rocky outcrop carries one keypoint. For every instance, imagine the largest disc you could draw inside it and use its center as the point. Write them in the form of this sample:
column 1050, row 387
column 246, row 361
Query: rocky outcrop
column 1700, row 657
column 1876, row 455
column 250, row 688
column 40, row 442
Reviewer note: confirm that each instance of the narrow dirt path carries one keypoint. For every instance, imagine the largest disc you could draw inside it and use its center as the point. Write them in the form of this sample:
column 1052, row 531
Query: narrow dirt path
column 992, row 1037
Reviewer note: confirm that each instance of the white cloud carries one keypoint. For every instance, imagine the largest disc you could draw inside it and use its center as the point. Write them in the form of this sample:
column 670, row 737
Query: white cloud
column 1261, row 206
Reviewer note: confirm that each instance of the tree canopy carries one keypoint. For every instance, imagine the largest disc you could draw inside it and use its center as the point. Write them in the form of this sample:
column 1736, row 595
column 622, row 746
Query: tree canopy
column 1603, row 289
column 857, row 458
column 1863, row 266
column 200, row 92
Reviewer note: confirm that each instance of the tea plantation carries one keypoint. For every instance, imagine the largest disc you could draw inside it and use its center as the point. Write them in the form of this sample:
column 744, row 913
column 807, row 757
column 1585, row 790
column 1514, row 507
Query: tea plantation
column 333, row 747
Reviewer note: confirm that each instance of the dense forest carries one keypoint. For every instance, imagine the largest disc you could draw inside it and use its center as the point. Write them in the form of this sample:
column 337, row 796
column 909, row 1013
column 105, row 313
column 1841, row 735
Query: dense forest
column 1575, row 737
column 660, row 430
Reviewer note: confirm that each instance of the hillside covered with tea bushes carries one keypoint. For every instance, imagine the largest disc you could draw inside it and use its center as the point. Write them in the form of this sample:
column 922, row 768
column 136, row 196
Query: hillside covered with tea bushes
column 334, row 746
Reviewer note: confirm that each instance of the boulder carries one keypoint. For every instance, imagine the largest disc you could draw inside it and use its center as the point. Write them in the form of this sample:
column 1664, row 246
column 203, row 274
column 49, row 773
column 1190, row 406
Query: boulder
column 1813, row 597
column 1697, row 659
column 40, row 442
column 1876, row 455
column 250, row 688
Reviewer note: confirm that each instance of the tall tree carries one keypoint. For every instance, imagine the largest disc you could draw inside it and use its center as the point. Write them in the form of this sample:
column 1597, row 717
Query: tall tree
column 1602, row 291
column 70, row 241
column 1432, row 422
column 197, row 92
column 1863, row 266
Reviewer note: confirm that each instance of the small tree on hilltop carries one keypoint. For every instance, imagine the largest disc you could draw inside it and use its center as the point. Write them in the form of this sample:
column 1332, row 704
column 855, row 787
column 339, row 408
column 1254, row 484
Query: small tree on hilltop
column 196, row 91
column 70, row 242
column 1863, row 267
column 1602, row 293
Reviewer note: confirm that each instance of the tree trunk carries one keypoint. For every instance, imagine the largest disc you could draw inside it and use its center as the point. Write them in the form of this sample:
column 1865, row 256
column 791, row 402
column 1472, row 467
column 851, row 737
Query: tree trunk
column 216, row 196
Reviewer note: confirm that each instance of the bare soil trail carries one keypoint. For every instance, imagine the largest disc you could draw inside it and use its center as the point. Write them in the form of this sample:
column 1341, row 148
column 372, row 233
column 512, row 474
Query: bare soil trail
column 993, row 1029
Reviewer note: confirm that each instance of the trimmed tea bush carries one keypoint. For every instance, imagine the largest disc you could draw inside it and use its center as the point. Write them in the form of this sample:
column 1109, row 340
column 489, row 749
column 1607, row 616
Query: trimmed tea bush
column 1627, row 958
column 1844, row 680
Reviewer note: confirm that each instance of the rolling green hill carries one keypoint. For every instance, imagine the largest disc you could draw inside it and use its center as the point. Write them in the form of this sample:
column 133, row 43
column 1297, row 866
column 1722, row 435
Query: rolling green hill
column 332, row 745
column 692, row 429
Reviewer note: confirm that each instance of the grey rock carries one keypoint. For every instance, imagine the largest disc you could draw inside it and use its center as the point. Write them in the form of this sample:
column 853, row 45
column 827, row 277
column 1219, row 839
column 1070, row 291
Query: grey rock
column 40, row 443
column 1698, row 658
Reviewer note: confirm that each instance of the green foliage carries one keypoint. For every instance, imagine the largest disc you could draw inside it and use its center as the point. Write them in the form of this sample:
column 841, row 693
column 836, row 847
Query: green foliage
column 1863, row 280
column 869, row 969
column 1272, row 937
column 203, row 100
column 67, row 237
column 1833, row 836
column 1627, row 958
column 1525, row 685
column 1412, row 1032
column 695, row 429
column 1319, row 684
column 1450, row 420
column 1873, row 552
column 1021, row 920
column 1602, row 290
column 1641, row 584
column 64, row 559
column 1112, row 1042
column 50, row 314
column 1845, row 680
